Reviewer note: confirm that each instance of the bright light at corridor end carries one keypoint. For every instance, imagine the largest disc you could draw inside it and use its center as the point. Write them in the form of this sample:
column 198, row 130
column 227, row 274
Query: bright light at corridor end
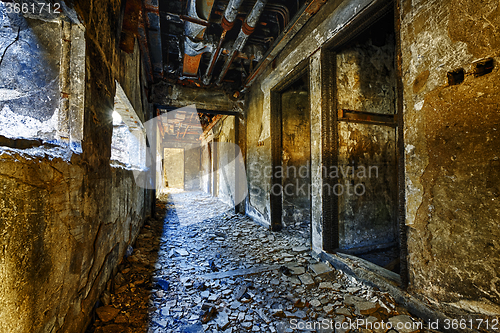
column 233, row 170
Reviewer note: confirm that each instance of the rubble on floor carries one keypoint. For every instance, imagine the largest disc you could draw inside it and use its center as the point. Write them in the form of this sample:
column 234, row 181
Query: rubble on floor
column 195, row 271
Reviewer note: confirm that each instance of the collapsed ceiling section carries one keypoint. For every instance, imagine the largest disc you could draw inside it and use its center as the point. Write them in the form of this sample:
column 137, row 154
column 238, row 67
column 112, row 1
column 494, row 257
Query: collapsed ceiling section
column 219, row 43
column 185, row 125
column 214, row 44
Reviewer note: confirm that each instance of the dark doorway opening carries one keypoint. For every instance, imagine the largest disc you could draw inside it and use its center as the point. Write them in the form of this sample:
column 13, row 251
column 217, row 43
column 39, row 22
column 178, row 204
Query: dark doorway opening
column 291, row 191
column 364, row 80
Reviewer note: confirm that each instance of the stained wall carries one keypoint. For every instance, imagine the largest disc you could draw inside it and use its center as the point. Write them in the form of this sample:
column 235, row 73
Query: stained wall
column 66, row 215
column 451, row 150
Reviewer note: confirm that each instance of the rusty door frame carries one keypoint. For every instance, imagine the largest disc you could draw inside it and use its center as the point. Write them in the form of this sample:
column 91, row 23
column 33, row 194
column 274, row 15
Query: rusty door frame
column 276, row 200
column 329, row 118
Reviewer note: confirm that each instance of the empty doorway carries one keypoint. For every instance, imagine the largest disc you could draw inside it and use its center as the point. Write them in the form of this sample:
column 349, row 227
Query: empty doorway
column 291, row 190
column 174, row 168
column 365, row 166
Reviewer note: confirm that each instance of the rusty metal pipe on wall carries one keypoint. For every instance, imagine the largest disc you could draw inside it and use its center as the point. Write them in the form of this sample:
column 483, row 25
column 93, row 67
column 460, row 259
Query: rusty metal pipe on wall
column 227, row 24
column 246, row 30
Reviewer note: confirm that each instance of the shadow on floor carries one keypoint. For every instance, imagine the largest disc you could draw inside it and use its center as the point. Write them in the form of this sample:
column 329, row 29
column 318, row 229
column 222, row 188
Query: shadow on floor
column 124, row 306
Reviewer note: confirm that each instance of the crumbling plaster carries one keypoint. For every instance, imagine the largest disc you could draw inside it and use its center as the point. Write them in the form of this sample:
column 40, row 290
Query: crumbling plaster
column 451, row 145
column 67, row 218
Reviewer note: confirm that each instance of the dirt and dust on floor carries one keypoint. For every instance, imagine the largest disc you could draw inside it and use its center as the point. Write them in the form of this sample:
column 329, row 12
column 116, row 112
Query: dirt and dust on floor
column 198, row 267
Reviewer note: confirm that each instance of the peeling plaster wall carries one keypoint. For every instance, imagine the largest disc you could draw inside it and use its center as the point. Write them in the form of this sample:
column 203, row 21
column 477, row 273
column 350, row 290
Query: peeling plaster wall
column 452, row 145
column 66, row 219
column 30, row 62
column 258, row 152
column 225, row 160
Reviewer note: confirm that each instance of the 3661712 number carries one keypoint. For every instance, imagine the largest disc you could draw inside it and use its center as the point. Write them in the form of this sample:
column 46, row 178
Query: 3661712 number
column 33, row 8
column 471, row 324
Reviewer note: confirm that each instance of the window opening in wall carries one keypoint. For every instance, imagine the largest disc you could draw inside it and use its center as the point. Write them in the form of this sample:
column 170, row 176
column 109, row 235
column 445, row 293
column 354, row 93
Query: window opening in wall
column 128, row 144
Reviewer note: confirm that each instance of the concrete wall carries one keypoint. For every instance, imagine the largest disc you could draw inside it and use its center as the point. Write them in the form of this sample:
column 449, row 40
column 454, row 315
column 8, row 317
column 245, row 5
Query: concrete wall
column 206, row 167
column 186, row 165
column 192, row 167
column 174, row 168
column 451, row 140
column 61, row 240
column 452, row 156
column 67, row 217
column 258, row 155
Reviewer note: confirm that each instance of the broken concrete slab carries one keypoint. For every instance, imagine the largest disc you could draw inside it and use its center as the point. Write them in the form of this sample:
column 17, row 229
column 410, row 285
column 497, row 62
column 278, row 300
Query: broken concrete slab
column 300, row 249
column 297, row 270
column 325, row 285
column 306, row 280
column 182, row 252
column 222, row 320
column 352, row 300
column 366, row 308
column 320, row 269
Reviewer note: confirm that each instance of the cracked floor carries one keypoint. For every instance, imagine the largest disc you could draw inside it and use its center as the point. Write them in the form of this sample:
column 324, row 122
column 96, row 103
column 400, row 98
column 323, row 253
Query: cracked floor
column 198, row 267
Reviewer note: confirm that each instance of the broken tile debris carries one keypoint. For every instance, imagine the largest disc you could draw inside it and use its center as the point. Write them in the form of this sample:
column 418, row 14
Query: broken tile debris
column 227, row 274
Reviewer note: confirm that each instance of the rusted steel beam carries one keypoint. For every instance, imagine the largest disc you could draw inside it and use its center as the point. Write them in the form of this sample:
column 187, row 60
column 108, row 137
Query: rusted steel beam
column 152, row 15
column 310, row 8
column 367, row 117
column 212, row 124
column 195, row 33
column 191, row 65
column 179, row 19
column 168, row 108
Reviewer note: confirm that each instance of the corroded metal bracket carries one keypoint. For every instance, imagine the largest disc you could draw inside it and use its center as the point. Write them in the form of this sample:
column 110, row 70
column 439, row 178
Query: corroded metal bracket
column 367, row 117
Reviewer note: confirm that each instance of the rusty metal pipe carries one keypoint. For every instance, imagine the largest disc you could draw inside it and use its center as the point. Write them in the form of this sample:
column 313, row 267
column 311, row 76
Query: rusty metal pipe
column 246, row 30
column 227, row 24
column 232, row 10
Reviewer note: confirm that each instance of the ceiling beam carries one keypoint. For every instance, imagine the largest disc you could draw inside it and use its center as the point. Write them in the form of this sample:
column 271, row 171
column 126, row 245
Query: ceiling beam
column 177, row 96
column 167, row 108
